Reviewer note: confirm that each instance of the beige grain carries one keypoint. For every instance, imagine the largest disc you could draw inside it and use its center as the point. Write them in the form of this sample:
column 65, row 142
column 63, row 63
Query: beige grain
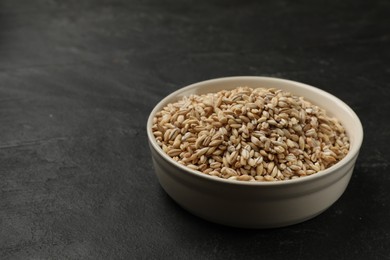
column 248, row 134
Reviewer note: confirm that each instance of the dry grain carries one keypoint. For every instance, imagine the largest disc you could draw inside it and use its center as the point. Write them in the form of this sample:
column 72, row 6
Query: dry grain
column 249, row 134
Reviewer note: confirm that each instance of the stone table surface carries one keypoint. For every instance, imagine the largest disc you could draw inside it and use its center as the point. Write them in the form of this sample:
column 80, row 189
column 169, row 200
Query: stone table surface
column 78, row 80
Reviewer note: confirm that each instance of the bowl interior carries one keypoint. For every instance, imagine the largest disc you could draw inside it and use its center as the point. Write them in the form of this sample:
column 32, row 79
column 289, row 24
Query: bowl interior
column 334, row 107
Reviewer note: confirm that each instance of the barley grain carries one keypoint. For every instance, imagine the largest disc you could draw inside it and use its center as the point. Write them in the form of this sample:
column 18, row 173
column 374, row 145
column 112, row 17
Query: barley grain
column 250, row 134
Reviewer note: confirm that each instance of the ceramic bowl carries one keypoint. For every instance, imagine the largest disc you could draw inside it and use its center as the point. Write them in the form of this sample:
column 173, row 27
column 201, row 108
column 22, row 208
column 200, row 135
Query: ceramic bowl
column 258, row 204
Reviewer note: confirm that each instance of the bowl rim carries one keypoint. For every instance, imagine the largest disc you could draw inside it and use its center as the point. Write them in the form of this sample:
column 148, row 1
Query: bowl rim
column 354, row 150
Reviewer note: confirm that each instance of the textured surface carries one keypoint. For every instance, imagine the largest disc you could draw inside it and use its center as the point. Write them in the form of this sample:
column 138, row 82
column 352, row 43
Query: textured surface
column 79, row 78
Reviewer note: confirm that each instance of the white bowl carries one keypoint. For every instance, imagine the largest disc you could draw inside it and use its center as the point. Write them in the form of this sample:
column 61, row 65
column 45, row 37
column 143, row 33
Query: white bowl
column 258, row 204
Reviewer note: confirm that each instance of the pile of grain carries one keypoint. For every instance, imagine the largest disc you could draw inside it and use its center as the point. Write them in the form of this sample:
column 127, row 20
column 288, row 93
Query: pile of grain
column 250, row 135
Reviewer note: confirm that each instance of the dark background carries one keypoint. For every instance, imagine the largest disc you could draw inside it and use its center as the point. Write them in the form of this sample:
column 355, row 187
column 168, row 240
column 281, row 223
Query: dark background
column 79, row 78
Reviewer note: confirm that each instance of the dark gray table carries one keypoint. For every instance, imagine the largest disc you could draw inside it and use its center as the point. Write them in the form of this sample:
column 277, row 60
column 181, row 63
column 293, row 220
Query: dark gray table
column 79, row 78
